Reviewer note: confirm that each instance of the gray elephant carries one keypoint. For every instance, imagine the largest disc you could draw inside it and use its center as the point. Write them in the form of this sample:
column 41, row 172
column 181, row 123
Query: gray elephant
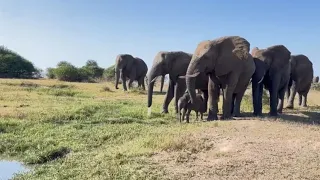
column 133, row 68
column 272, row 71
column 300, row 79
column 315, row 79
column 174, row 63
column 228, row 62
column 186, row 106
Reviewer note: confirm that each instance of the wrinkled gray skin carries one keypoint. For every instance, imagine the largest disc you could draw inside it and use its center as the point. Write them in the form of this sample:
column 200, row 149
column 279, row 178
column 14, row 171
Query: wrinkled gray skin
column 228, row 62
column 174, row 63
column 272, row 72
column 184, row 104
column 300, row 80
column 315, row 79
column 133, row 68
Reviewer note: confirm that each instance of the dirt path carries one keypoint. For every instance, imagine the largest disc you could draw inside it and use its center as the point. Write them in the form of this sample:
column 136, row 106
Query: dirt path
column 251, row 149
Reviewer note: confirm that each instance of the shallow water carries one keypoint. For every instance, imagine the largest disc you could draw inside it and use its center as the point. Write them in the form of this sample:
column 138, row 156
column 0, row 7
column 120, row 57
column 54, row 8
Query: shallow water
column 9, row 168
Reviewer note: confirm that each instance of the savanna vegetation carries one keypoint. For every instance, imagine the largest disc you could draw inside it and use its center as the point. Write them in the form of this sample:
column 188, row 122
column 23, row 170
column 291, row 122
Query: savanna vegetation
column 75, row 130
column 67, row 130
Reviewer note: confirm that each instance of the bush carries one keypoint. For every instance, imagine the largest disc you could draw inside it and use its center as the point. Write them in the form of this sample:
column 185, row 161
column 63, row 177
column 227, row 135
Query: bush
column 65, row 71
column 50, row 73
column 109, row 73
column 12, row 65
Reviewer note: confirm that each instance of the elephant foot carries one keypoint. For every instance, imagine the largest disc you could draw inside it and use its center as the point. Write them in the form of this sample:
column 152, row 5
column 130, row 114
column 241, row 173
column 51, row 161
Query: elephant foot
column 304, row 105
column 257, row 114
column 212, row 117
column 228, row 117
column 273, row 114
column 165, row 111
column 289, row 106
column 237, row 114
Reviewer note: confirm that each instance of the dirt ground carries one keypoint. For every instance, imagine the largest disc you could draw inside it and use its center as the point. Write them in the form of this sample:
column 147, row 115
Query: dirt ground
column 283, row 148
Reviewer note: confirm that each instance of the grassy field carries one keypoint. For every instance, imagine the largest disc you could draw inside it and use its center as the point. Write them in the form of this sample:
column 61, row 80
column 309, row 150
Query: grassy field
column 92, row 131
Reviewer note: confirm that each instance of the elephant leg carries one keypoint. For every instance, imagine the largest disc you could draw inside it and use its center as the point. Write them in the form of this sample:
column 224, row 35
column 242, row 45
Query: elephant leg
column 232, row 103
column 201, row 115
column 281, row 99
column 132, row 77
column 257, row 93
column 304, row 100
column 143, row 85
column 188, row 115
column 168, row 97
column 180, row 88
column 124, row 81
column 293, row 91
column 273, row 90
column 300, row 99
column 205, row 98
column 197, row 115
column 227, row 95
column 213, row 98
column 237, row 103
column 183, row 114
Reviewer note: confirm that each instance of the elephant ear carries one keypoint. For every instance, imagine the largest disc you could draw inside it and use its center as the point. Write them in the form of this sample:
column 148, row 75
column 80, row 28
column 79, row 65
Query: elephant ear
column 277, row 57
column 128, row 61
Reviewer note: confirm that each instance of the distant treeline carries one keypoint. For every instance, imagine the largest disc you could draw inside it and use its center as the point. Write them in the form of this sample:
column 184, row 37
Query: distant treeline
column 13, row 65
column 90, row 72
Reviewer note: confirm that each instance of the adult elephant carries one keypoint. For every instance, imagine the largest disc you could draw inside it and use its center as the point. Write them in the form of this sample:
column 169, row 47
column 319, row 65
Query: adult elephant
column 228, row 62
column 132, row 68
column 272, row 71
column 174, row 63
column 315, row 79
column 300, row 79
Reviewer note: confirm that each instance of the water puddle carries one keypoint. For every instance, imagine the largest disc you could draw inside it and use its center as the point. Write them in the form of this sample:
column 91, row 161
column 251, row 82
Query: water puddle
column 9, row 168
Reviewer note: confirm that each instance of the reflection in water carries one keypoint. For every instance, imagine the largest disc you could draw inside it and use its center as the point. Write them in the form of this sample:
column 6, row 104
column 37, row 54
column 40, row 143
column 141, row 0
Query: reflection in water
column 9, row 168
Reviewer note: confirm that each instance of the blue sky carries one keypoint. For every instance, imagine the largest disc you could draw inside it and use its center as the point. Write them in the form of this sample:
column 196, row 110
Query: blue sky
column 48, row 31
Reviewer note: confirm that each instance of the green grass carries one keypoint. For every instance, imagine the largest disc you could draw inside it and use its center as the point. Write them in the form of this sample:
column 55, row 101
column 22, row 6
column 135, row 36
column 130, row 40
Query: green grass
column 89, row 131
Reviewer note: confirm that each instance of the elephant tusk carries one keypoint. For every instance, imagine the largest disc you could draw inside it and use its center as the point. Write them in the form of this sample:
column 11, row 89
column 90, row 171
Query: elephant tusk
column 154, row 79
column 261, row 80
column 182, row 77
column 192, row 75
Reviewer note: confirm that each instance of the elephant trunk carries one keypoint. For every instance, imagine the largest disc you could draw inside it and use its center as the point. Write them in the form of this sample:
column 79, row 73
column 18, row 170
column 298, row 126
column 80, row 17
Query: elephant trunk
column 162, row 82
column 117, row 76
column 193, row 71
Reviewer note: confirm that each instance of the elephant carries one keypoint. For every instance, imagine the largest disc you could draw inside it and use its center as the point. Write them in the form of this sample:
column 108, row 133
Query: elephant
column 132, row 68
column 300, row 79
column 229, row 65
column 174, row 63
column 272, row 71
column 315, row 79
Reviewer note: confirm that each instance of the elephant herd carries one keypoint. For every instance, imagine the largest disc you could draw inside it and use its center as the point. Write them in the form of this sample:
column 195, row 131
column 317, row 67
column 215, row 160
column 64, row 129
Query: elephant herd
column 225, row 65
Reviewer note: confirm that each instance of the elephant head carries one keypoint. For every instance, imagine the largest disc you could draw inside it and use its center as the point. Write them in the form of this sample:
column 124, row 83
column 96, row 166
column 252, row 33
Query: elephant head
column 270, row 64
column 215, row 57
column 316, row 79
column 174, row 63
column 123, row 61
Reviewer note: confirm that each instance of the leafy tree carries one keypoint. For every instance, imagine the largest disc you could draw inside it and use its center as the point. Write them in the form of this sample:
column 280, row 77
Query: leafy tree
column 67, row 72
column 92, row 70
column 109, row 73
column 12, row 65
column 50, row 73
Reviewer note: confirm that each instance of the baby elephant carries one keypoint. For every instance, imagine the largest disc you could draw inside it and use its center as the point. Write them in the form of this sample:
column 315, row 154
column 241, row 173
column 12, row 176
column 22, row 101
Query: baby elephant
column 184, row 104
